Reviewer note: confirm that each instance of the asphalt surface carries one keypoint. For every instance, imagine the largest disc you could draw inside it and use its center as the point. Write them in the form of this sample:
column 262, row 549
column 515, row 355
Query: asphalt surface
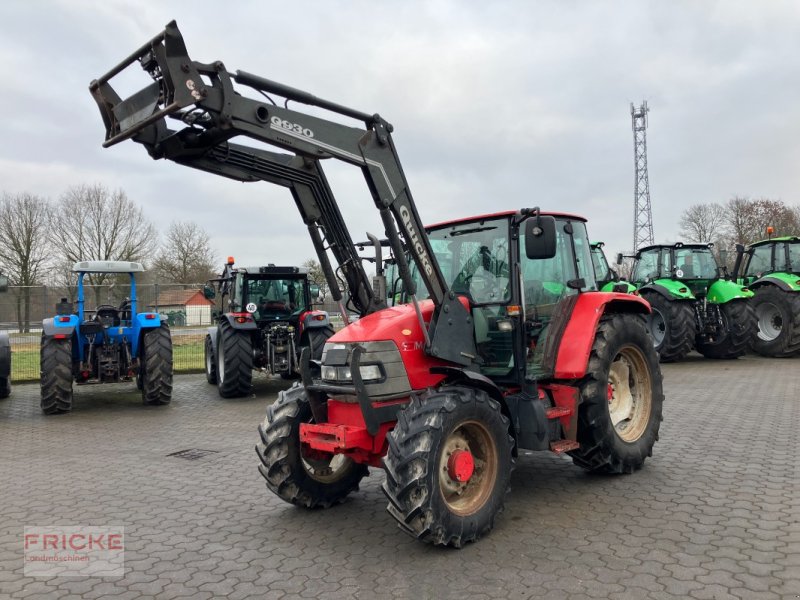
column 715, row 513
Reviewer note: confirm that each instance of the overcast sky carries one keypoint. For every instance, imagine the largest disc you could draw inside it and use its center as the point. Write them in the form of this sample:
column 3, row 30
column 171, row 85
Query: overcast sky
column 496, row 105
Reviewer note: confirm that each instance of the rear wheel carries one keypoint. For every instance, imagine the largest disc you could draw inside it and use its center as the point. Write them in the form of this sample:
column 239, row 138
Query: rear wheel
column 448, row 466
column 156, row 376
column 234, row 361
column 738, row 330
column 671, row 325
column 315, row 340
column 621, row 399
column 56, row 376
column 295, row 473
column 778, row 319
column 209, row 362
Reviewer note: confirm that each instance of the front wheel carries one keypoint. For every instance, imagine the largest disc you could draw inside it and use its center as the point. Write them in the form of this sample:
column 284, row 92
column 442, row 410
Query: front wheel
column 297, row 474
column 738, row 330
column 156, row 374
column 671, row 326
column 56, row 376
column 778, row 318
column 448, row 466
column 621, row 398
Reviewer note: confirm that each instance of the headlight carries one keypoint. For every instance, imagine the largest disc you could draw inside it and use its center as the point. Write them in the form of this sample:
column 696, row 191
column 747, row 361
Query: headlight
column 343, row 374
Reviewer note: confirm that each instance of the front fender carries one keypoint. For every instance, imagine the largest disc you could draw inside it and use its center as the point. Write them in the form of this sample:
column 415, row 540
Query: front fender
column 788, row 282
column 576, row 342
column 722, row 291
column 670, row 289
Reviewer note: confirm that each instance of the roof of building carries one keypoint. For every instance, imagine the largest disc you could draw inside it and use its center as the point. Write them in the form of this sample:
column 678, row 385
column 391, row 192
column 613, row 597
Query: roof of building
column 181, row 298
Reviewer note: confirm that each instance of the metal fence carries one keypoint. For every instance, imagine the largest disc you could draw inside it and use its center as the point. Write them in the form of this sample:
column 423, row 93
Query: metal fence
column 187, row 311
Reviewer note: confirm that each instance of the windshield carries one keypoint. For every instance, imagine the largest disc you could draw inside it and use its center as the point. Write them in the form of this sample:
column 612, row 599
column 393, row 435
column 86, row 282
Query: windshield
column 599, row 263
column 695, row 263
column 474, row 260
column 760, row 261
column 646, row 266
column 273, row 298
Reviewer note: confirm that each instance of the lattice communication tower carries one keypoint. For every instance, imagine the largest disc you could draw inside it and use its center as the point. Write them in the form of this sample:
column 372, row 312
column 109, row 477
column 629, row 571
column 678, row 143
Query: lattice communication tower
column 642, row 212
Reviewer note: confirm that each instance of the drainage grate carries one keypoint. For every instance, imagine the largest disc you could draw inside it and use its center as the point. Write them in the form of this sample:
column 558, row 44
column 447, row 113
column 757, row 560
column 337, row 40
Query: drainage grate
column 192, row 453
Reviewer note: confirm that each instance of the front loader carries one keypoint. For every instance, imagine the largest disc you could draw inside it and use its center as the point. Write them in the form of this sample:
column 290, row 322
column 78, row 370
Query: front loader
column 498, row 348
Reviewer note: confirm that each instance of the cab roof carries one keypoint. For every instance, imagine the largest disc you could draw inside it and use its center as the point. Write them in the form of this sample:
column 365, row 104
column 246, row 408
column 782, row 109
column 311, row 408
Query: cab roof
column 107, row 266
column 505, row 213
column 792, row 239
column 676, row 245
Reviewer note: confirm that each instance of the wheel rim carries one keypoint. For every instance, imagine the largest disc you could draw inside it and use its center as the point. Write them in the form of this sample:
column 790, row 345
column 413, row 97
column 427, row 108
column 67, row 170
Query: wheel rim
column 220, row 361
column 630, row 394
column 657, row 326
column 770, row 321
column 325, row 468
column 468, row 468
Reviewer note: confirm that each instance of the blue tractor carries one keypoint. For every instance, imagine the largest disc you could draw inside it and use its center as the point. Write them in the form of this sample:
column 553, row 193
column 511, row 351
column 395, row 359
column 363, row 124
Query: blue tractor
column 109, row 344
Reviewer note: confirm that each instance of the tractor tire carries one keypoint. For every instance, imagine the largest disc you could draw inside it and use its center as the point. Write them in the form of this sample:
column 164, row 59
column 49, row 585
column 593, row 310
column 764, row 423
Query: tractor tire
column 301, row 479
column 234, row 361
column 5, row 387
column 210, row 362
column 315, row 340
column 448, row 466
column 671, row 325
column 157, row 366
column 778, row 322
column 739, row 320
column 56, row 376
column 621, row 398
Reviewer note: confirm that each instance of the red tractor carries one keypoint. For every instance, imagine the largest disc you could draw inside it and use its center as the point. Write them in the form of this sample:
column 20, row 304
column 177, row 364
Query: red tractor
column 503, row 344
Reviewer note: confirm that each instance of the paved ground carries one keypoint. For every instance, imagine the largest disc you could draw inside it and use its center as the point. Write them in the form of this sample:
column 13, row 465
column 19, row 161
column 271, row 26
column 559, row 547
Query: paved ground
column 714, row 514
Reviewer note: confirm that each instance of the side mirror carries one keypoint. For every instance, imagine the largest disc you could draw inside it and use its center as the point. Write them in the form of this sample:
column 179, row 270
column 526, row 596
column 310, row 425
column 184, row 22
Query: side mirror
column 209, row 292
column 619, row 258
column 3, row 283
column 313, row 288
column 540, row 237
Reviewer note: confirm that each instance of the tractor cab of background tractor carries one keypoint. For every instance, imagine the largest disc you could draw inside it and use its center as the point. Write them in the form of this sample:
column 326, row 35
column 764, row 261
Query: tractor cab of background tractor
column 608, row 279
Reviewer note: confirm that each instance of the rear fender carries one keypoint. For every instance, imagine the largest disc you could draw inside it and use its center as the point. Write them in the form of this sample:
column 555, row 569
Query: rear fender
column 241, row 321
column 211, row 334
column 624, row 287
column 314, row 319
column 576, row 342
column 722, row 291
column 788, row 282
column 60, row 327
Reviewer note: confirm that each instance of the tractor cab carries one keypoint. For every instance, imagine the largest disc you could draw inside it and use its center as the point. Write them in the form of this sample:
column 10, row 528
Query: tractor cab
column 513, row 297
column 769, row 257
column 694, row 265
column 270, row 293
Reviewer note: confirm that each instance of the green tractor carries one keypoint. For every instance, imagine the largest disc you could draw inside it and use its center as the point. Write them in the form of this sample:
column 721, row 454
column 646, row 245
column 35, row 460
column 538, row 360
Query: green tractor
column 695, row 304
column 771, row 268
column 607, row 278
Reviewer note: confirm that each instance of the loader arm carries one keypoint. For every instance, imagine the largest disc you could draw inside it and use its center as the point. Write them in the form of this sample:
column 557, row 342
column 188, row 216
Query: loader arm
column 202, row 97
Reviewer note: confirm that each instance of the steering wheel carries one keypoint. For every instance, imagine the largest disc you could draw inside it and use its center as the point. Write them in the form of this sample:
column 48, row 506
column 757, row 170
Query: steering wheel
column 485, row 287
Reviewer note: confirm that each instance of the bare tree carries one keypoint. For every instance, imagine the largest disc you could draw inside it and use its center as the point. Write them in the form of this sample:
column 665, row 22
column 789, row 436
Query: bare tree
column 315, row 275
column 186, row 255
column 703, row 223
column 24, row 247
column 91, row 222
column 747, row 220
